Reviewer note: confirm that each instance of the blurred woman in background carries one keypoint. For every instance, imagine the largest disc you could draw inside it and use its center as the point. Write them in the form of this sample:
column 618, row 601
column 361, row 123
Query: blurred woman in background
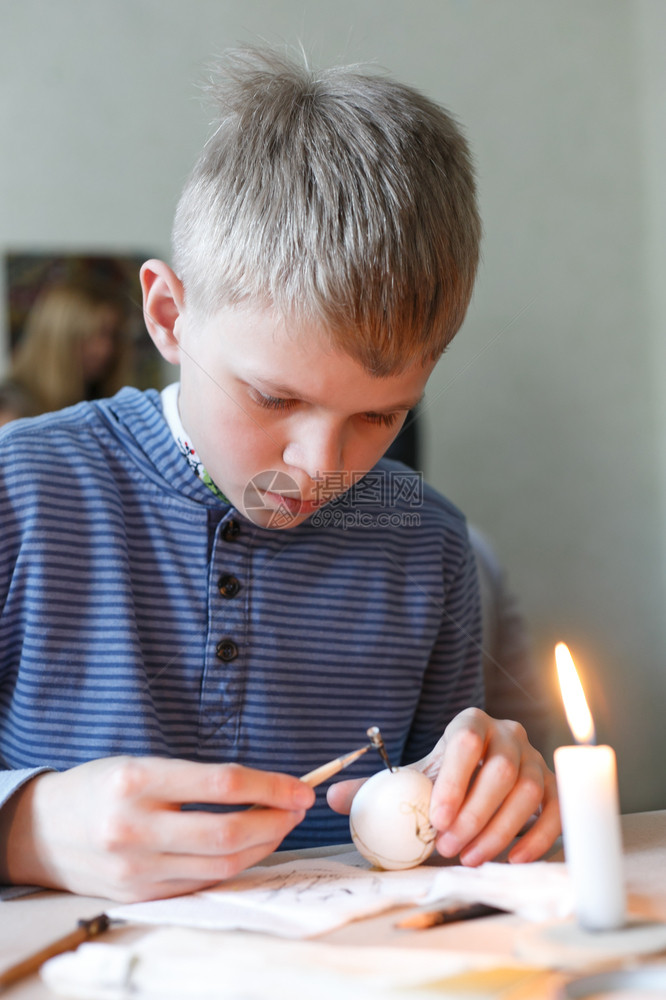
column 74, row 347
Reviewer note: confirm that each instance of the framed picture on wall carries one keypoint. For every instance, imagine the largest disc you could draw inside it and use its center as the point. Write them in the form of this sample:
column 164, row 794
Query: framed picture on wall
column 28, row 274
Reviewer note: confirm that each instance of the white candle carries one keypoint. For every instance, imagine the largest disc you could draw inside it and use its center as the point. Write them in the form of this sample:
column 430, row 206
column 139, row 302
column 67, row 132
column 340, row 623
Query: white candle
column 589, row 805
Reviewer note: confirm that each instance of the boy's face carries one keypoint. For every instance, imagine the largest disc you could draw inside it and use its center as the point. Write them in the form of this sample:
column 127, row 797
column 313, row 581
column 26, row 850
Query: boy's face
column 281, row 420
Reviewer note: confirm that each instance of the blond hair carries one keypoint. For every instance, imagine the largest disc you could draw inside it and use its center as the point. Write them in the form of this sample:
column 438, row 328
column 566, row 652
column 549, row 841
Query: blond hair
column 340, row 197
column 47, row 363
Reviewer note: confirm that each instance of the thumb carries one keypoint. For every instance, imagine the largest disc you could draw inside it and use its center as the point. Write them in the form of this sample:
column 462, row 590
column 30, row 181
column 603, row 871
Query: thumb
column 340, row 795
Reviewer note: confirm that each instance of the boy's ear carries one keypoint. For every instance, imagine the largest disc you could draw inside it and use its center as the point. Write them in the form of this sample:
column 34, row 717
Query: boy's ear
column 162, row 307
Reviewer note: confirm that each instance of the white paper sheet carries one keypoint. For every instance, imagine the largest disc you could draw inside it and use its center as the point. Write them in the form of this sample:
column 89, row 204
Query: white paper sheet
column 296, row 899
column 538, row 891
column 308, row 897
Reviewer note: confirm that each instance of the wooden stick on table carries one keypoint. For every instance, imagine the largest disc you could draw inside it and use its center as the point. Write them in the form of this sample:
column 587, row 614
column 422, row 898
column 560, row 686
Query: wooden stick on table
column 86, row 930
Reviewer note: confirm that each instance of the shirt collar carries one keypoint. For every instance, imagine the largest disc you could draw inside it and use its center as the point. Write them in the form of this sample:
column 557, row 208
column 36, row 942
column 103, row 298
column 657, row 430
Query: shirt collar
column 169, row 398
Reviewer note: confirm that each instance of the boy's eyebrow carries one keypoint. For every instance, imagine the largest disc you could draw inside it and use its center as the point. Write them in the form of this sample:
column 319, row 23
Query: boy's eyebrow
column 279, row 389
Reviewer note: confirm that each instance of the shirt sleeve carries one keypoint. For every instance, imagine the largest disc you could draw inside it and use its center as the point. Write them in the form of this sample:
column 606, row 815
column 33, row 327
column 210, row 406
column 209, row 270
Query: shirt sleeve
column 10, row 782
column 454, row 678
column 515, row 685
column 10, row 779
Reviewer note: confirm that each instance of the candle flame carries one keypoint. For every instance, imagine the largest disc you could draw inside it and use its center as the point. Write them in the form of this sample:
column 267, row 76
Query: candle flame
column 578, row 714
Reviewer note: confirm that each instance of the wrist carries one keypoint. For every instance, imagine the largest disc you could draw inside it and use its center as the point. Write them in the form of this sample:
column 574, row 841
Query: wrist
column 22, row 857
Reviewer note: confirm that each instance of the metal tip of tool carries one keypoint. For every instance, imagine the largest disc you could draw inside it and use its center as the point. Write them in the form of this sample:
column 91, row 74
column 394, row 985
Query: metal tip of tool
column 377, row 740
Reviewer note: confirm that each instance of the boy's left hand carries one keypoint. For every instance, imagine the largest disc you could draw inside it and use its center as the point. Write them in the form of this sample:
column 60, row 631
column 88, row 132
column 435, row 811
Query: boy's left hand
column 489, row 781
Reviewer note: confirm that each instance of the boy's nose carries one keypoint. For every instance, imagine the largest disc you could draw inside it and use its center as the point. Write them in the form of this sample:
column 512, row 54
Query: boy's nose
column 316, row 451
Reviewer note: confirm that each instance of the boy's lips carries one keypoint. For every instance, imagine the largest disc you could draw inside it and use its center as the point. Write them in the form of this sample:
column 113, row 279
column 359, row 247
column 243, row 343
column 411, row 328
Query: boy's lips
column 293, row 503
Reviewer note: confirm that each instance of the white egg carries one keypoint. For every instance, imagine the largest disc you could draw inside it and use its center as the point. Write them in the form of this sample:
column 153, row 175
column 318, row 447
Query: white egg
column 389, row 819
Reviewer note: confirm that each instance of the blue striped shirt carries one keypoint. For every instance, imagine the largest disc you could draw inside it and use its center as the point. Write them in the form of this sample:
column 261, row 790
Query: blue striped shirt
column 119, row 632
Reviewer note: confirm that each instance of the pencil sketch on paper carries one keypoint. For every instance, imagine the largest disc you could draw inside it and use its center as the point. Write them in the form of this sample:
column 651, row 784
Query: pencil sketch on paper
column 307, row 882
column 299, row 898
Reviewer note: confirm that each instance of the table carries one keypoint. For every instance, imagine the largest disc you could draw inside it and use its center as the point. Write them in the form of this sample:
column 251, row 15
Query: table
column 33, row 921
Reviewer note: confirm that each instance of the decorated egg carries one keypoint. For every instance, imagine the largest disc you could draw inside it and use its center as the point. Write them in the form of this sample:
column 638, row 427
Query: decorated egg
column 389, row 819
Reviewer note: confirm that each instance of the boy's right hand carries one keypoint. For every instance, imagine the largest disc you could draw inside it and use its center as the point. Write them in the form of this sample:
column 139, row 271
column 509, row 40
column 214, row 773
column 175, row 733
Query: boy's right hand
column 115, row 828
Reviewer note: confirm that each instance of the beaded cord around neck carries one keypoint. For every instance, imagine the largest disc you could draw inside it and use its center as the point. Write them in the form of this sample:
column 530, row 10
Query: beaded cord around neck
column 169, row 397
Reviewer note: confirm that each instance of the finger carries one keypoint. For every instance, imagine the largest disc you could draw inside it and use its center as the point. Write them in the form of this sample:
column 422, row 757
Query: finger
column 157, row 876
column 218, row 869
column 214, row 834
column 543, row 833
column 493, row 780
column 172, row 875
column 340, row 795
column 181, row 781
column 465, row 749
column 517, row 808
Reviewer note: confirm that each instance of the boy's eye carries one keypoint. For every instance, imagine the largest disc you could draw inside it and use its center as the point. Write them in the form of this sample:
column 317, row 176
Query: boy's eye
column 384, row 419
column 272, row 402
column 282, row 403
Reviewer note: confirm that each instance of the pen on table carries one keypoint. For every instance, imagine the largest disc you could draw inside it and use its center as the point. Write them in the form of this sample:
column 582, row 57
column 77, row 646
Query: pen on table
column 422, row 919
column 86, row 930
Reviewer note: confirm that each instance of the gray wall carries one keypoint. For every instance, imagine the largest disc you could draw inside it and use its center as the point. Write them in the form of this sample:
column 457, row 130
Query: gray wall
column 546, row 419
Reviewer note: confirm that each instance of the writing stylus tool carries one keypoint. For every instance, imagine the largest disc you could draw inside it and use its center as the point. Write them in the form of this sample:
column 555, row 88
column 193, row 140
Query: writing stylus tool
column 327, row 771
column 312, row 778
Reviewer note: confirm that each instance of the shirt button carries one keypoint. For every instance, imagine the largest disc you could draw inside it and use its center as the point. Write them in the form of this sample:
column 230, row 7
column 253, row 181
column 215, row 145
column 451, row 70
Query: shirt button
column 226, row 650
column 228, row 586
column 231, row 531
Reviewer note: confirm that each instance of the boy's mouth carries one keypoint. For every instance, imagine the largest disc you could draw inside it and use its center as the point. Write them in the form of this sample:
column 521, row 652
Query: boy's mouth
column 277, row 493
column 293, row 503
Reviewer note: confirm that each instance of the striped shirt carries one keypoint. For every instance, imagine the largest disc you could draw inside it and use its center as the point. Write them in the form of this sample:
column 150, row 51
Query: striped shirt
column 141, row 614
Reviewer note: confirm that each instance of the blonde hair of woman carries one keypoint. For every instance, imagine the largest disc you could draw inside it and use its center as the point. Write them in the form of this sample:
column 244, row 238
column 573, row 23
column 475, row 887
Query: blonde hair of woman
column 74, row 347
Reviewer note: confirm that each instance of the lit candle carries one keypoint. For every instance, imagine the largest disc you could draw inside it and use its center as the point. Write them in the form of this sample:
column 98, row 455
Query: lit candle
column 589, row 804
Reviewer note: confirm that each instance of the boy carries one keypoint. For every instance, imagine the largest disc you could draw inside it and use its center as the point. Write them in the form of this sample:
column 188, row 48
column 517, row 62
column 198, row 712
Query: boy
column 228, row 572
